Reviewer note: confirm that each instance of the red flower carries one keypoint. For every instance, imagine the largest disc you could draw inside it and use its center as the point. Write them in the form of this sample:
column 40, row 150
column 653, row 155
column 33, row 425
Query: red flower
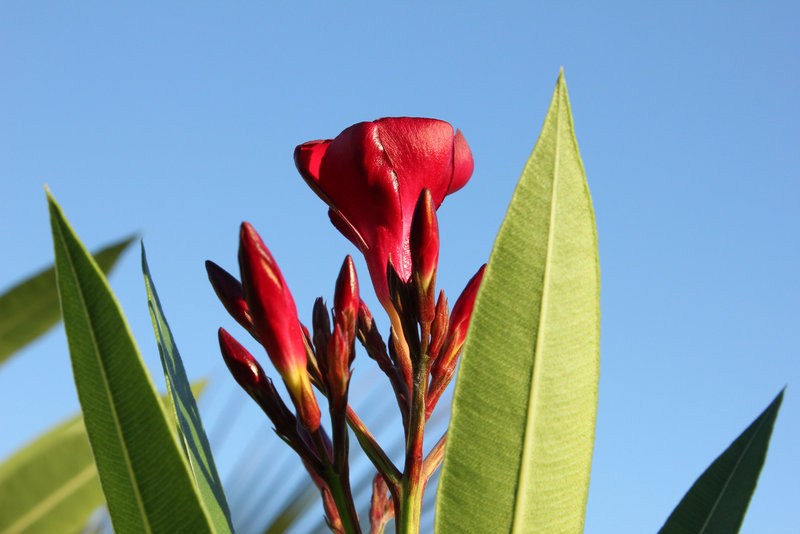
column 371, row 177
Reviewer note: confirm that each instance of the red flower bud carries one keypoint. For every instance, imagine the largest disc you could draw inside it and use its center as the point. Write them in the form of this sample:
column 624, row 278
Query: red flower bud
column 251, row 377
column 346, row 300
column 371, row 339
column 376, row 349
column 439, row 327
column 459, row 322
column 275, row 322
column 371, row 176
column 244, row 368
column 322, row 333
column 339, row 351
column 229, row 291
column 424, row 241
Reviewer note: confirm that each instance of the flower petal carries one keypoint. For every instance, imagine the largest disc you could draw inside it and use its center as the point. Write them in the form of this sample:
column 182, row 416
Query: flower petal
column 463, row 164
column 307, row 158
column 357, row 177
column 420, row 152
column 347, row 229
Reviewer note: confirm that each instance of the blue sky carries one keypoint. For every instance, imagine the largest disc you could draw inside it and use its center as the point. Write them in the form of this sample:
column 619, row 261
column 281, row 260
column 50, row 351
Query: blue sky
column 179, row 121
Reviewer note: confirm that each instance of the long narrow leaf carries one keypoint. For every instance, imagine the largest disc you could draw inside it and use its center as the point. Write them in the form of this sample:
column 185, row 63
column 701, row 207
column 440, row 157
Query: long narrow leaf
column 30, row 308
column 146, row 481
column 292, row 510
column 521, row 435
column 187, row 417
column 717, row 501
column 51, row 485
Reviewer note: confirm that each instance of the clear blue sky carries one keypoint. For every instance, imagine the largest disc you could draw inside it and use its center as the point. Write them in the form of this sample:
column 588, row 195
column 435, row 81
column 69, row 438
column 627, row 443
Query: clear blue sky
column 179, row 121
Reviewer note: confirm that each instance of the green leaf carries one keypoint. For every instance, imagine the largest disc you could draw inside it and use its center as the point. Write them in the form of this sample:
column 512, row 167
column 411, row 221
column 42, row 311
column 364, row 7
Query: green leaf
column 30, row 308
column 717, row 501
column 187, row 417
column 146, row 481
column 293, row 510
column 51, row 485
column 520, row 442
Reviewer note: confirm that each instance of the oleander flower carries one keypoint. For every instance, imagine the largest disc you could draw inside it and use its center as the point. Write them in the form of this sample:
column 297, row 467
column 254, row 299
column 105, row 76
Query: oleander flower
column 371, row 176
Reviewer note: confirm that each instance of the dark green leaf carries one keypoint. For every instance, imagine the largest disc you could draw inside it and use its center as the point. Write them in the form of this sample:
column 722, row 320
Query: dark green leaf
column 293, row 510
column 717, row 501
column 187, row 417
column 30, row 308
column 147, row 483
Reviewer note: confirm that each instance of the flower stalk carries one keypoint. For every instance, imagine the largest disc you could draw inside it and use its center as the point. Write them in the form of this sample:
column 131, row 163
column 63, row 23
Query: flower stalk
column 413, row 483
column 337, row 483
column 383, row 182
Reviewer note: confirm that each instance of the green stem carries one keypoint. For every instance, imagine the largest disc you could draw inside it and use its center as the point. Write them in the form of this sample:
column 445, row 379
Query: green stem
column 339, row 485
column 373, row 451
column 412, row 484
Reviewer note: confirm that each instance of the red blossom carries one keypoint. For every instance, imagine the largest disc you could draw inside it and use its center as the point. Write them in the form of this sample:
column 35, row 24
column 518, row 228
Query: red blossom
column 371, row 176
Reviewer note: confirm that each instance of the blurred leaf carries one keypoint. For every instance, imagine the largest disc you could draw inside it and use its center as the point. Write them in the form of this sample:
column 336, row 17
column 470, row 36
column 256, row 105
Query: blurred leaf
column 51, row 484
column 30, row 308
column 717, row 501
column 520, row 442
column 293, row 510
column 146, row 481
column 187, row 417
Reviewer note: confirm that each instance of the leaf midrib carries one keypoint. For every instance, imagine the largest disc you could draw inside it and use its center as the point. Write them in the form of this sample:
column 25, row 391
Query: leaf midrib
column 107, row 388
column 523, row 485
column 730, row 478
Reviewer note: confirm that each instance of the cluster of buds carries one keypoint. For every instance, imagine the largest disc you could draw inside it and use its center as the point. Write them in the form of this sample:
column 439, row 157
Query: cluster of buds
column 383, row 182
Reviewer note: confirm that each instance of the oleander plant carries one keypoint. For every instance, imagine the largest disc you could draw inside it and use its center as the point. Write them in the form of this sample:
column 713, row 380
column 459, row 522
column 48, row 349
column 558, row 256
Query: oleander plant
column 524, row 334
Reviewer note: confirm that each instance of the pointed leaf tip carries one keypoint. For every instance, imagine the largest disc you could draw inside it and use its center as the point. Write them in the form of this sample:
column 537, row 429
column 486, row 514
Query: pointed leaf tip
column 123, row 415
column 718, row 500
column 185, row 414
column 524, row 407
column 30, row 308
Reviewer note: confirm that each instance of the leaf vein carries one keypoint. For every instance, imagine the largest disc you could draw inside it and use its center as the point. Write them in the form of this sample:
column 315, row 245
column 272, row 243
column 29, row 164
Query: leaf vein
column 523, row 485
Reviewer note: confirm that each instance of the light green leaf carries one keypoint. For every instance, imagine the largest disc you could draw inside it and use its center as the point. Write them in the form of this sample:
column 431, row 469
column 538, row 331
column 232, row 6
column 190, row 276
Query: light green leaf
column 717, row 501
column 30, row 308
column 147, row 483
column 51, row 485
column 187, row 417
column 520, row 442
